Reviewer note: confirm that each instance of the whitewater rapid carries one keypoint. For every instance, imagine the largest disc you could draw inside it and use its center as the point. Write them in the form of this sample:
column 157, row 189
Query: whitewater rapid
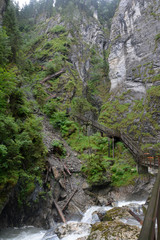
column 32, row 233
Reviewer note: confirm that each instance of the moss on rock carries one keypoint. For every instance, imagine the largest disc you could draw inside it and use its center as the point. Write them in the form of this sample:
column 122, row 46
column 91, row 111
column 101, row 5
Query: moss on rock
column 113, row 230
column 116, row 213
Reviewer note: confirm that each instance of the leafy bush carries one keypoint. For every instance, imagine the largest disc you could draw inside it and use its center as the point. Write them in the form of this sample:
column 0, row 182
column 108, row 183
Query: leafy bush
column 58, row 119
column 58, row 29
column 50, row 107
column 21, row 145
column 80, row 106
column 54, row 65
column 40, row 94
column 58, row 148
column 96, row 169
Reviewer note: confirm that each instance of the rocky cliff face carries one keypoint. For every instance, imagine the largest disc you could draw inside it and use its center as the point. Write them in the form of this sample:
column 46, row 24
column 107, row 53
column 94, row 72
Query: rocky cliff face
column 134, row 56
column 88, row 43
column 135, row 72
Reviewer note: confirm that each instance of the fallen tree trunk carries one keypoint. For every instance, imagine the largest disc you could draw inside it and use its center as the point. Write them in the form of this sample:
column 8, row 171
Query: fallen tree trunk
column 53, row 75
column 59, row 211
column 65, row 206
column 135, row 216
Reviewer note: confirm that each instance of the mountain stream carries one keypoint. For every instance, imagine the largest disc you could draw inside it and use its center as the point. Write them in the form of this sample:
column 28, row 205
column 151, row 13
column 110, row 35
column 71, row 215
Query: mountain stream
column 72, row 230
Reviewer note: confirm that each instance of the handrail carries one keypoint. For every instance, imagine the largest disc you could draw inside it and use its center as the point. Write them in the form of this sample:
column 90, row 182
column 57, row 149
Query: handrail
column 148, row 231
column 138, row 154
column 131, row 145
column 112, row 133
column 102, row 128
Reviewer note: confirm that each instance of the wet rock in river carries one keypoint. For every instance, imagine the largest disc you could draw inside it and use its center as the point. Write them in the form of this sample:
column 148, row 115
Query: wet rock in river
column 116, row 213
column 72, row 227
column 113, row 230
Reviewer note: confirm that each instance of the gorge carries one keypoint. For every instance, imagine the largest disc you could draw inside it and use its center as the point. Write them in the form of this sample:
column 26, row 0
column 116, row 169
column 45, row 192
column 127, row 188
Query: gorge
column 94, row 59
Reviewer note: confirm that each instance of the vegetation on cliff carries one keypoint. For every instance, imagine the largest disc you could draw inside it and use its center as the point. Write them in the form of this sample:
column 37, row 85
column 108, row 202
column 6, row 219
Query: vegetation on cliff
column 54, row 63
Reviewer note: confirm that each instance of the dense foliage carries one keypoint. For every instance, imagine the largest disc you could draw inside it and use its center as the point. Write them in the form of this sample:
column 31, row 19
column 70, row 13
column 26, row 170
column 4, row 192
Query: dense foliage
column 35, row 44
column 52, row 53
column 22, row 151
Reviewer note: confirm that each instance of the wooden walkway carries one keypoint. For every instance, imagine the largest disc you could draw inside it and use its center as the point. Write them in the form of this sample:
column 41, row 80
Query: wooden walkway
column 151, row 224
column 144, row 159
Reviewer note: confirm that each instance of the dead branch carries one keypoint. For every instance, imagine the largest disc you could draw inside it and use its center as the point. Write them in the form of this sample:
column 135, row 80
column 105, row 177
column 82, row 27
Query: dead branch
column 135, row 216
column 67, row 170
column 59, row 211
column 70, row 198
column 48, row 170
column 53, row 75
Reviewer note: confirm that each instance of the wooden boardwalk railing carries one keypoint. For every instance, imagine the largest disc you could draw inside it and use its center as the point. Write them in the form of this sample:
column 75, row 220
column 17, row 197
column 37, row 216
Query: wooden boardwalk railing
column 140, row 157
column 149, row 229
column 109, row 132
column 151, row 225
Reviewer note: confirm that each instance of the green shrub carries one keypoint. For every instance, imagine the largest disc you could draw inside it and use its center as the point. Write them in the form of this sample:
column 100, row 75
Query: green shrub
column 54, row 65
column 58, row 29
column 58, row 119
column 58, row 148
column 50, row 107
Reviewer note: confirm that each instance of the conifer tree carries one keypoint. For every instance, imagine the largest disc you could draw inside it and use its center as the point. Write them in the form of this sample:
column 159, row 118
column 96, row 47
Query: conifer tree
column 11, row 25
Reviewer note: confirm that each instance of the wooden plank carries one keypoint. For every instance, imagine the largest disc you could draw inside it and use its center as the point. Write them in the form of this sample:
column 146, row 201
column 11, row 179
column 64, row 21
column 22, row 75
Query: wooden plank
column 158, row 218
column 148, row 228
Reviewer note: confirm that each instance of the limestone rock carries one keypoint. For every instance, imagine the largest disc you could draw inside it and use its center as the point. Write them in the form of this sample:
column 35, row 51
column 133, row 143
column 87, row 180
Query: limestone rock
column 116, row 213
column 69, row 228
column 103, row 201
column 62, row 183
column 56, row 173
column 113, row 230
column 133, row 33
column 85, row 186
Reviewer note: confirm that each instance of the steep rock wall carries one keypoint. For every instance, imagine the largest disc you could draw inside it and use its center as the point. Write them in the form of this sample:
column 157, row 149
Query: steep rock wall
column 88, row 43
column 134, row 56
column 134, row 64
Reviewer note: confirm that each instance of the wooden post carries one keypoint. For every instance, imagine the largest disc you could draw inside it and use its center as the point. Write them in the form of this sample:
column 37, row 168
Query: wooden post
column 158, row 218
column 148, row 228
column 113, row 146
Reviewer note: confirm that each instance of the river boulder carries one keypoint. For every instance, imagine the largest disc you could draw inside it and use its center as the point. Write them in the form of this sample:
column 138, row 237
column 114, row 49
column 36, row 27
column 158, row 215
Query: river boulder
column 113, row 230
column 66, row 230
column 116, row 213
